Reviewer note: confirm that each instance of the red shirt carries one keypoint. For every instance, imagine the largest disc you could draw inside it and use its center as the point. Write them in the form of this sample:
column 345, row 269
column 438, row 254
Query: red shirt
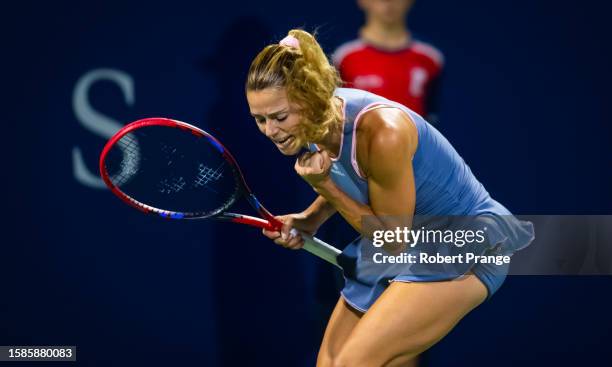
column 405, row 75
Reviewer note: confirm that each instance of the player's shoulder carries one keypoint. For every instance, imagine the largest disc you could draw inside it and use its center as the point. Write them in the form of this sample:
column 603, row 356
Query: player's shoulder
column 389, row 125
column 428, row 50
column 384, row 135
column 346, row 49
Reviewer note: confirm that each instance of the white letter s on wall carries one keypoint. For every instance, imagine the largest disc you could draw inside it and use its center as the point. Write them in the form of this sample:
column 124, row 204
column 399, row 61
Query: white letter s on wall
column 93, row 120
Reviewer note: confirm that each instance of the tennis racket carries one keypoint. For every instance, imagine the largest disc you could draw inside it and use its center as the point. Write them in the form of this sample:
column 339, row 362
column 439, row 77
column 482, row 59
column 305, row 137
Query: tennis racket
column 175, row 170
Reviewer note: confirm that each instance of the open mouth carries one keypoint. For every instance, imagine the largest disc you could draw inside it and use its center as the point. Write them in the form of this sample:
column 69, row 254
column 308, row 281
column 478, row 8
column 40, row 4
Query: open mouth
column 284, row 142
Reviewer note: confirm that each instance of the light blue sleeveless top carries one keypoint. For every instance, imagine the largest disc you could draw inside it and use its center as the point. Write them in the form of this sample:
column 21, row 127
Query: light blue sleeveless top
column 445, row 185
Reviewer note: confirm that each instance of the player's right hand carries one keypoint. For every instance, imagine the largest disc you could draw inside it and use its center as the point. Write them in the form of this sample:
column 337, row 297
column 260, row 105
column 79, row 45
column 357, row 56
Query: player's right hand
column 289, row 236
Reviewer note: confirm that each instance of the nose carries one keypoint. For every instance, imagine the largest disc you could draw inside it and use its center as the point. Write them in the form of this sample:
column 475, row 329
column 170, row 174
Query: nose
column 270, row 129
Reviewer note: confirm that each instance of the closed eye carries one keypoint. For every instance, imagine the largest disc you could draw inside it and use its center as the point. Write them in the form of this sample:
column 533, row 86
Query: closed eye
column 279, row 116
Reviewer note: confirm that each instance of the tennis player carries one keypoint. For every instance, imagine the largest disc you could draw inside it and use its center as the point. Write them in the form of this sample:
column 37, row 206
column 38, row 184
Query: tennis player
column 371, row 157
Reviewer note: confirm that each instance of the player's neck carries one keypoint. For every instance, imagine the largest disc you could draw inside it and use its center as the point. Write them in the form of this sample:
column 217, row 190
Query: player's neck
column 385, row 35
column 333, row 140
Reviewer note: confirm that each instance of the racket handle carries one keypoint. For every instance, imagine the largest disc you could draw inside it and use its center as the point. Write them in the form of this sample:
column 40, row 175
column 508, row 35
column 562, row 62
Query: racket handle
column 313, row 245
column 321, row 249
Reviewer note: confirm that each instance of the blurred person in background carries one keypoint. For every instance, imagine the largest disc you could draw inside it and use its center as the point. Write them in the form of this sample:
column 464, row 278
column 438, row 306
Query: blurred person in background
column 387, row 60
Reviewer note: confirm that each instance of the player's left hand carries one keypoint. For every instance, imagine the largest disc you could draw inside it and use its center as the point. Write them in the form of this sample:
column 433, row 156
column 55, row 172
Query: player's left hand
column 314, row 167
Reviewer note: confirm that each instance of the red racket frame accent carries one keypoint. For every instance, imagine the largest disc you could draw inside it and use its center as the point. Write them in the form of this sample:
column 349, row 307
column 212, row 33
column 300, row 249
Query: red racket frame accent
column 268, row 222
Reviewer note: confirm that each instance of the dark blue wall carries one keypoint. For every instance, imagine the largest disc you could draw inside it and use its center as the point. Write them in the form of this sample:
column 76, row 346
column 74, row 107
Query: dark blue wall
column 526, row 101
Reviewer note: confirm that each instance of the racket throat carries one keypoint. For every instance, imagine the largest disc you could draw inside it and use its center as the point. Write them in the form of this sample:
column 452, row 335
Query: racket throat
column 248, row 220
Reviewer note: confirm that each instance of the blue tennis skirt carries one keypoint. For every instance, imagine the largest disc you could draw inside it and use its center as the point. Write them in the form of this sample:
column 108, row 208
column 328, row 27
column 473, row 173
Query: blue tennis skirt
column 365, row 281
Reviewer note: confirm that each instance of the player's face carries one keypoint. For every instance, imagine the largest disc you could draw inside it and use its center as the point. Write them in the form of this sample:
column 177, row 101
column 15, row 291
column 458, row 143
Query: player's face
column 387, row 11
column 276, row 118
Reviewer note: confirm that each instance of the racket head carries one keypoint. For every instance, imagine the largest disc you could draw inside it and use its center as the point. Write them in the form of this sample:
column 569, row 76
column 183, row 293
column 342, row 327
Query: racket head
column 172, row 169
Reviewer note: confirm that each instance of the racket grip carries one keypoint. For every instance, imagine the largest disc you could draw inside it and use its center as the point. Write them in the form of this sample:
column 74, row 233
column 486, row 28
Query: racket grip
column 313, row 245
column 321, row 249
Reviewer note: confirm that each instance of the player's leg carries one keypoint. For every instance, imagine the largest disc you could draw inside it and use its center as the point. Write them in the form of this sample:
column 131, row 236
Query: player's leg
column 407, row 319
column 341, row 323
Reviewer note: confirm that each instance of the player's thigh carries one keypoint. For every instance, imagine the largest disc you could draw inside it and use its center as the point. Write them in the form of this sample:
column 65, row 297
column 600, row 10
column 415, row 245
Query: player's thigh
column 407, row 319
column 340, row 325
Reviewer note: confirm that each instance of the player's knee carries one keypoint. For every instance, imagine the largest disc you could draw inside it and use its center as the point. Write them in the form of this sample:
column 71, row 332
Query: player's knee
column 343, row 362
column 362, row 360
column 352, row 358
column 364, row 356
column 324, row 359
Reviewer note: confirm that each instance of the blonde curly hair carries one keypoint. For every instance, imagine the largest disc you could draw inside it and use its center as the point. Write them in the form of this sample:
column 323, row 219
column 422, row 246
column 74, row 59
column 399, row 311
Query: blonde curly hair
column 308, row 77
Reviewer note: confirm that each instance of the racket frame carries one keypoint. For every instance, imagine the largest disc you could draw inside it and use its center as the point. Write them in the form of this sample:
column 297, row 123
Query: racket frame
column 267, row 220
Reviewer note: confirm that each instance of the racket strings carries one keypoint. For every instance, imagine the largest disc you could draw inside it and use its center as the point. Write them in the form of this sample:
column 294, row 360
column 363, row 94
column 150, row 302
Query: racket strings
column 130, row 162
column 207, row 174
column 172, row 170
column 172, row 185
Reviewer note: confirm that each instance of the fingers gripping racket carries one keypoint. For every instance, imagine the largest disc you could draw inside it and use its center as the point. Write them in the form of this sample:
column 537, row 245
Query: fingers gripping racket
column 178, row 171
